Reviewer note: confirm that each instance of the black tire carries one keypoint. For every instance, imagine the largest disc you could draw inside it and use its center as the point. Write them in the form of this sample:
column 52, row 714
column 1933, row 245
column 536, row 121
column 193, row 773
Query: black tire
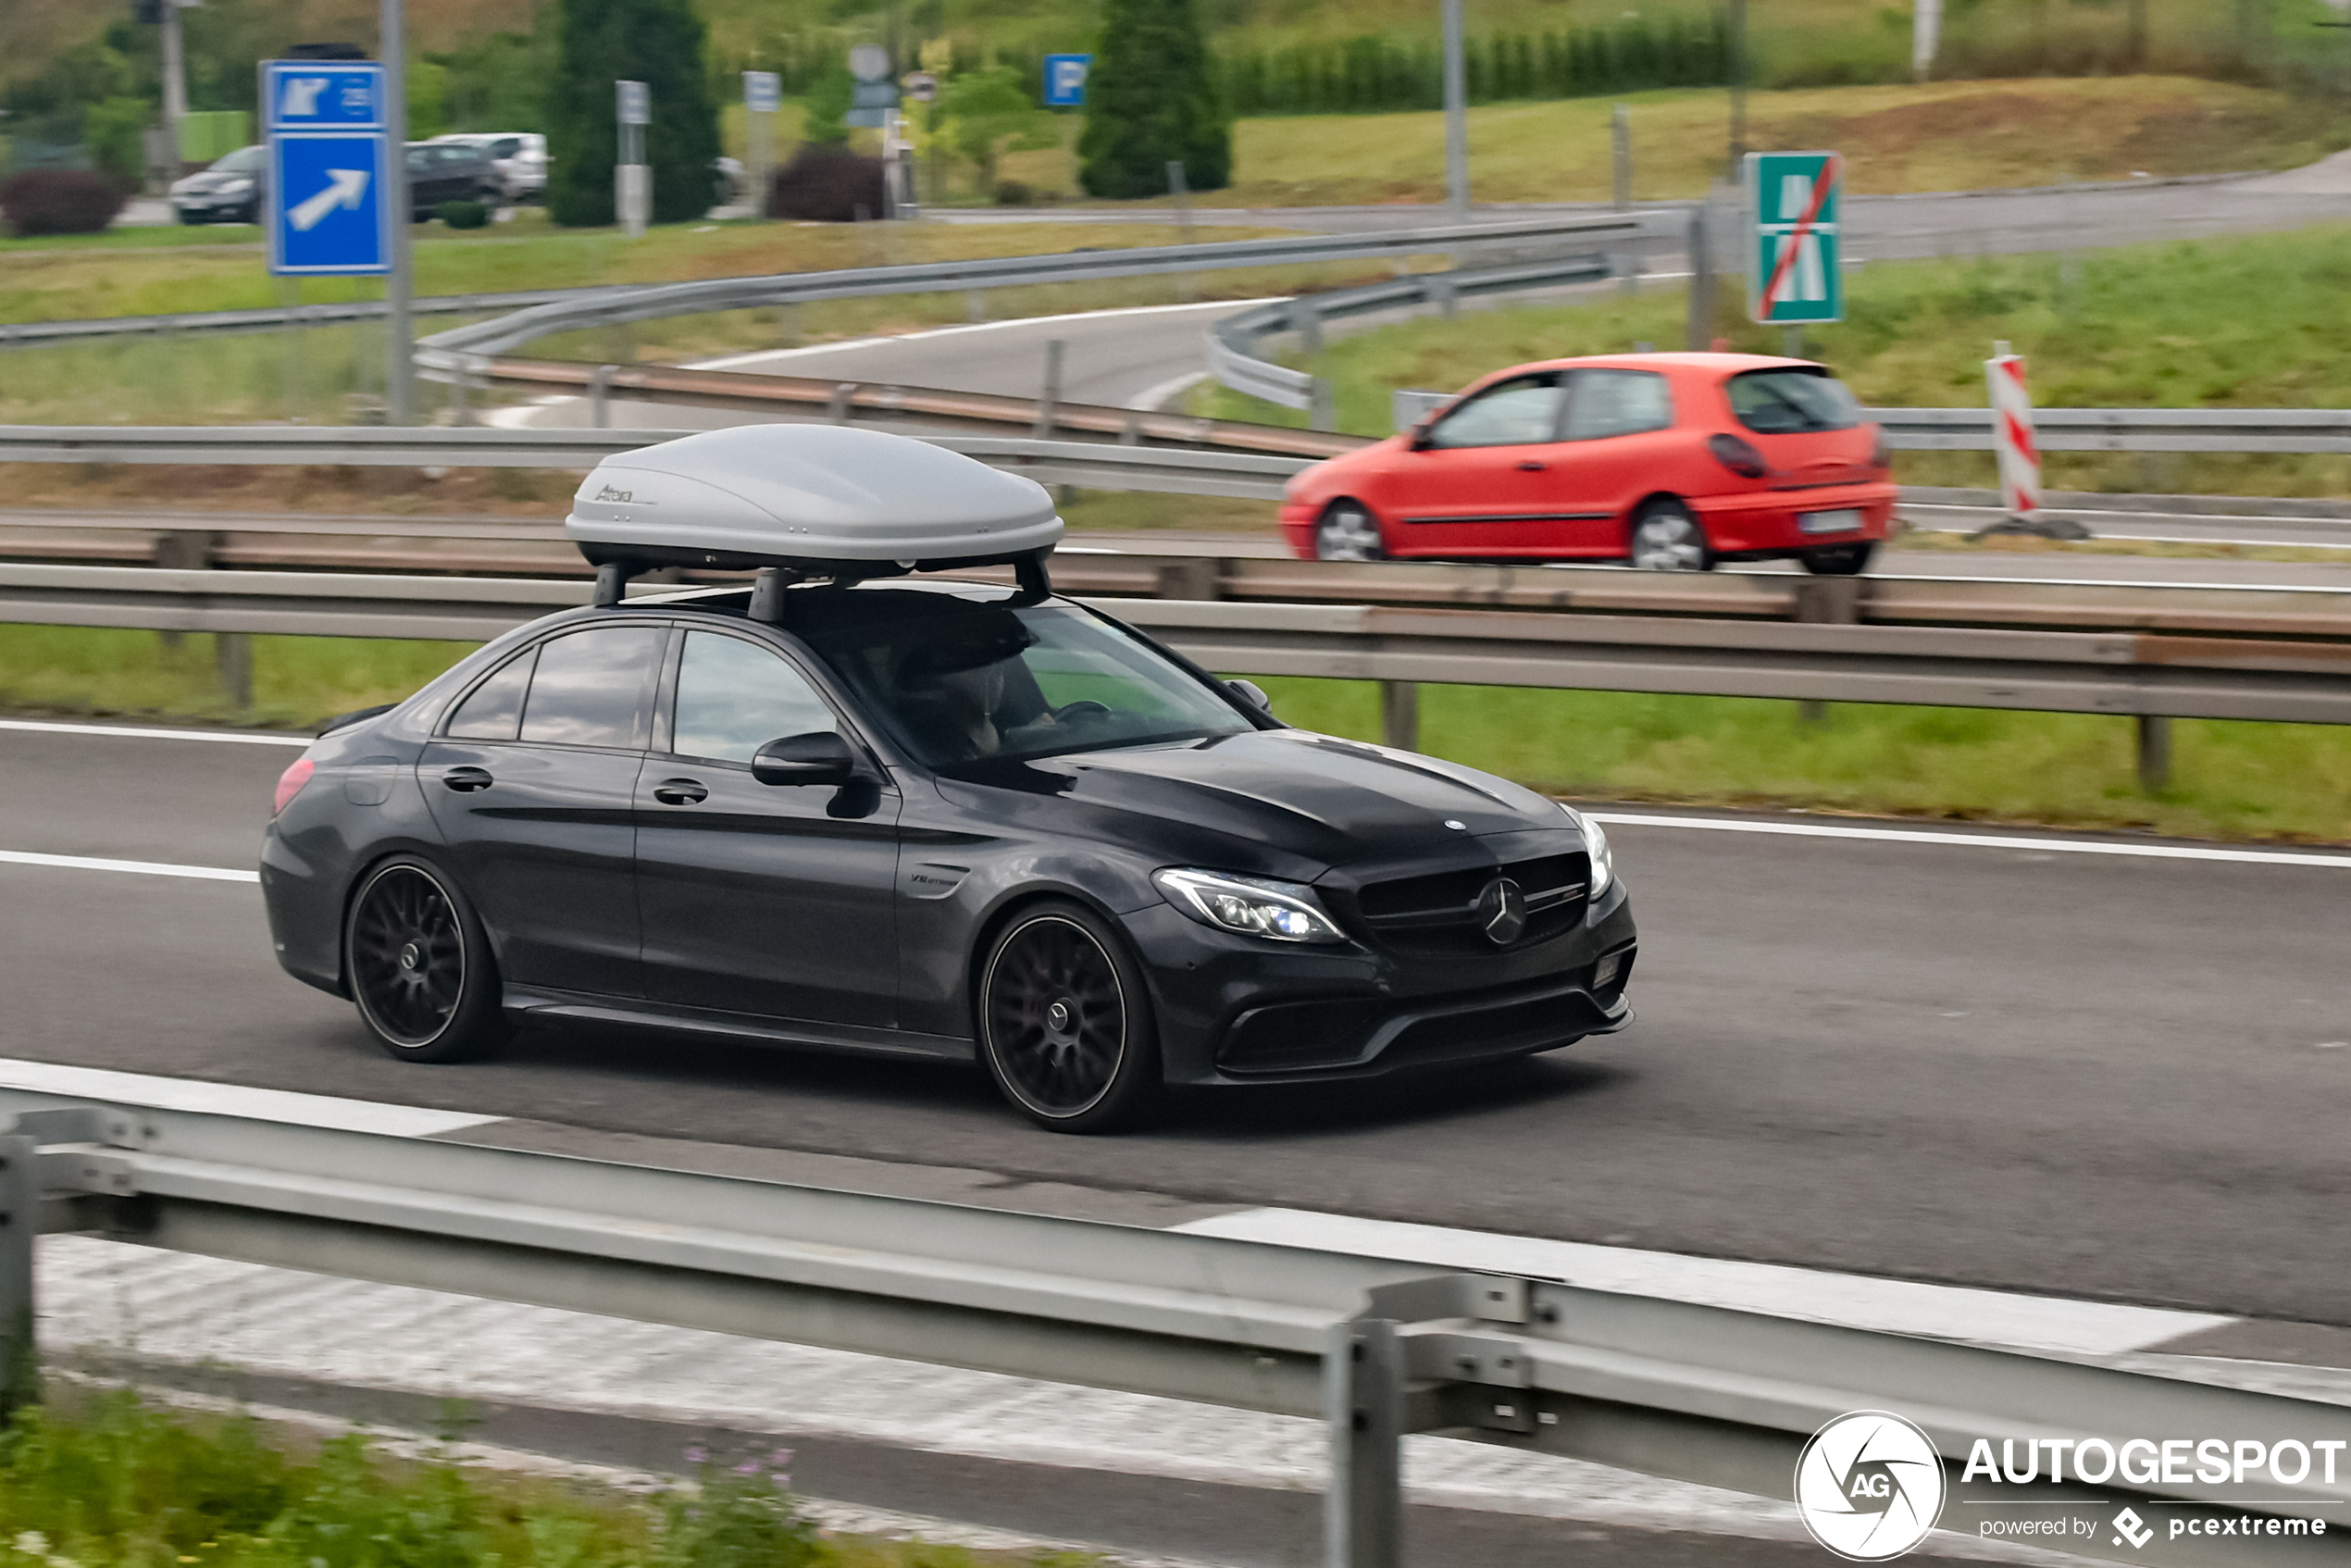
column 1841, row 560
column 1667, row 537
column 420, row 965
column 1065, row 1023
column 1348, row 532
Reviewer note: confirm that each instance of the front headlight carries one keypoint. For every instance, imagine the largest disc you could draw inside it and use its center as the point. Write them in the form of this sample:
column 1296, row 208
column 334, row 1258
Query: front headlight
column 1596, row 843
column 1254, row 906
column 236, row 187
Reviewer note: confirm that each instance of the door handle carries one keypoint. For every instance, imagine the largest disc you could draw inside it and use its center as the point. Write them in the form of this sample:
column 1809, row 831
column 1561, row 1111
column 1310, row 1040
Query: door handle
column 466, row 779
column 680, row 792
column 1532, row 465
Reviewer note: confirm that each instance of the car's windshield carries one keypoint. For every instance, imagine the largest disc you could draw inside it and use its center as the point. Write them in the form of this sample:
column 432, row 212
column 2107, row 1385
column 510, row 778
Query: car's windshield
column 959, row 680
column 245, row 161
column 1782, row 402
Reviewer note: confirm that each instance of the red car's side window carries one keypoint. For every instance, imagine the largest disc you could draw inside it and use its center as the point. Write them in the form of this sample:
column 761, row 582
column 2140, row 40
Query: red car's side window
column 1618, row 403
column 1518, row 412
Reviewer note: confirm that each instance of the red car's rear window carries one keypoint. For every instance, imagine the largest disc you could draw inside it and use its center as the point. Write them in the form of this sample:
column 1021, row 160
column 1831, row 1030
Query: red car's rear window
column 1788, row 401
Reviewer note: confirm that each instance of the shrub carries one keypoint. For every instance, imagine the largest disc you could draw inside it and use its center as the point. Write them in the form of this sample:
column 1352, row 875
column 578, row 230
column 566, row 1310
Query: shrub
column 825, row 184
column 59, row 201
column 1013, row 193
column 463, row 215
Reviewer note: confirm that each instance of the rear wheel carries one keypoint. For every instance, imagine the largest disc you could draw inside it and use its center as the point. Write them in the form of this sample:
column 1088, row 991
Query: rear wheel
column 1065, row 1024
column 1841, row 560
column 420, row 965
column 1667, row 537
column 1348, row 532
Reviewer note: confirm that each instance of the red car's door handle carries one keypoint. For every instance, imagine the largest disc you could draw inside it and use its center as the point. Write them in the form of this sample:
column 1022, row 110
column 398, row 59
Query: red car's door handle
column 1532, row 465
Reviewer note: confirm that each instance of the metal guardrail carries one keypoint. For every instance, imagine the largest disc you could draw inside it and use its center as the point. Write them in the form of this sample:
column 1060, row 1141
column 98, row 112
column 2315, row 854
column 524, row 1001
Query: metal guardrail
column 2288, row 676
column 40, row 334
column 1231, row 343
column 1371, row 1349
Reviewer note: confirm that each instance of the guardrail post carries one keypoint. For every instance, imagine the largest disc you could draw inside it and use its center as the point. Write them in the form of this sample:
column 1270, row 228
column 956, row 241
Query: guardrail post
column 1700, row 332
column 599, row 397
column 1194, row 578
column 1307, row 322
column 1399, row 715
column 1825, row 601
column 838, row 406
column 1055, row 348
column 186, row 550
column 1323, row 414
column 19, row 1222
column 232, row 658
column 1364, row 1404
column 2154, row 752
column 974, row 305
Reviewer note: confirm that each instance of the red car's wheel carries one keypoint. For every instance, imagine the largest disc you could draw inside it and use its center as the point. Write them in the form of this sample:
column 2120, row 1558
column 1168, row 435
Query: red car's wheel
column 1348, row 532
column 1667, row 537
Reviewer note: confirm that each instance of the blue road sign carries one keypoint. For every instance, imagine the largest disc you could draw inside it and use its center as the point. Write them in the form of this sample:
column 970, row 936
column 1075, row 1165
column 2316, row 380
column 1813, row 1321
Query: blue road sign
column 763, row 92
column 328, row 208
column 322, row 95
column 1065, row 81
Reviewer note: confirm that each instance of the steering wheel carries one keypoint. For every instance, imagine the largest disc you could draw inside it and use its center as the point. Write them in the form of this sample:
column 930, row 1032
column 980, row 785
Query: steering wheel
column 1085, row 707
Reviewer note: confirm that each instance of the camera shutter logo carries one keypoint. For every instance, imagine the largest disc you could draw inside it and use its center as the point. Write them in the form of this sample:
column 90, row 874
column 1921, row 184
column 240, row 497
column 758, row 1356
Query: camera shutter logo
column 1869, row 1485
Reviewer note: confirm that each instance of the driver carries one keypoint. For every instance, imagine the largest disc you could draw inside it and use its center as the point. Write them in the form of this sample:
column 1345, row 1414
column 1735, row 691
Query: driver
column 954, row 690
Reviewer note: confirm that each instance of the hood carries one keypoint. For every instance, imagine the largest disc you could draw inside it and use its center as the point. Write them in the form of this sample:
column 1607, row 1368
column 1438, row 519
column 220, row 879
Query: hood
column 207, row 180
column 1285, row 801
column 1331, row 471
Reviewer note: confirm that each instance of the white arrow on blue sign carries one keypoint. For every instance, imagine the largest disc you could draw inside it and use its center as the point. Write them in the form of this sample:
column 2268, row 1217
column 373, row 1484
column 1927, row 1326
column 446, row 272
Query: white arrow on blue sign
column 330, row 175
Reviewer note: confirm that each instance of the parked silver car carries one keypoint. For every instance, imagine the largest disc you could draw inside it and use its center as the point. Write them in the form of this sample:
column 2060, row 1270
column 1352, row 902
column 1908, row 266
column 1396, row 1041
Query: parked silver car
column 521, row 158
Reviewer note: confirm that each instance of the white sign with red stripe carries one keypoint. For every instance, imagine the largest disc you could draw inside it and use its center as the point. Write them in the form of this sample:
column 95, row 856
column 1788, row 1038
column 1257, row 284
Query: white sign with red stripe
column 2012, row 432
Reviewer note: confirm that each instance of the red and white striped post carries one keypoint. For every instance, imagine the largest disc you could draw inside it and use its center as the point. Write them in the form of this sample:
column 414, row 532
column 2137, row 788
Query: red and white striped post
column 2012, row 434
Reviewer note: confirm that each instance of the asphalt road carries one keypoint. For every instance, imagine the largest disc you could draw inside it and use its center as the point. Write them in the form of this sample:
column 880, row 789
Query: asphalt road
column 2081, row 1075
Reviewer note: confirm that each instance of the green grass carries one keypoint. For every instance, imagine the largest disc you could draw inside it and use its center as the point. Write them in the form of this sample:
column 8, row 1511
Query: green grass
column 1944, row 136
column 2248, row 322
column 108, row 1481
column 2232, row 780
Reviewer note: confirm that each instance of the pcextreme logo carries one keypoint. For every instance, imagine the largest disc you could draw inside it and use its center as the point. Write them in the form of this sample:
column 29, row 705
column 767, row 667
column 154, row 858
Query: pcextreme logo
column 1869, row 1485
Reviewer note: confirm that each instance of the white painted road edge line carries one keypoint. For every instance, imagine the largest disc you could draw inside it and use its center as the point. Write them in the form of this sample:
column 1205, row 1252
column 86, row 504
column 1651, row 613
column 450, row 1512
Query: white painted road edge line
column 1854, row 1300
column 1971, row 840
column 139, row 867
column 152, row 1091
column 1888, row 1306
column 767, row 356
column 231, row 737
column 1151, row 398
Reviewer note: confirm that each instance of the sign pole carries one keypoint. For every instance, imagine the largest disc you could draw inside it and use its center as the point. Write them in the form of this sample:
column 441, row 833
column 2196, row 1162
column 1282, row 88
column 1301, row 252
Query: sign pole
column 1457, row 180
column 175, row 84
column 400, row 366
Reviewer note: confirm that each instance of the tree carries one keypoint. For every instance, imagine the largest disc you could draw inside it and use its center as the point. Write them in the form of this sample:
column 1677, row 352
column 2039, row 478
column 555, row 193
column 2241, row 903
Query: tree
column 658, row 42
column 987, row 111
column 824, row 116
column 1151, row 102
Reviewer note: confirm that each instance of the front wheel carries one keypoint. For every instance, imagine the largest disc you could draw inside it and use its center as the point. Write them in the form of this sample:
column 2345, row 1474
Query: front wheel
column 1348, row 532
column 1841, row 560
column 1667, row 537
column 420, row 965
column 1065, row 1024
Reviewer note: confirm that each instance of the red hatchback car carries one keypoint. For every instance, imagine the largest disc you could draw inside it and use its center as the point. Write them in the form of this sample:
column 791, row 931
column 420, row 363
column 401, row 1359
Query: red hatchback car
column 1673, row 461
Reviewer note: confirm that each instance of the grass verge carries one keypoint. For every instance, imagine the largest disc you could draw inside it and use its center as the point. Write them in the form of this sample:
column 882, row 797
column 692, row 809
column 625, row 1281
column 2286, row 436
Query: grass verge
column 109, row 1481
column 2232, row 780
column 2134, row 326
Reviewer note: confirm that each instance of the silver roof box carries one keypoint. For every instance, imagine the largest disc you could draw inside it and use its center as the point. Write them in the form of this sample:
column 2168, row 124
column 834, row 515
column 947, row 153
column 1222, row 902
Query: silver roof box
column 818, row 500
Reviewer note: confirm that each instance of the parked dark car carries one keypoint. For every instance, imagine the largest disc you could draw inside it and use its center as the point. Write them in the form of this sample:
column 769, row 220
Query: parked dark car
column 228, row 192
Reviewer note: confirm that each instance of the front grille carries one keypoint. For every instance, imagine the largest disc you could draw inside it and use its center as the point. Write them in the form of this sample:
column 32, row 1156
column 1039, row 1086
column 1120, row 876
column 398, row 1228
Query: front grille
column 1436, row 915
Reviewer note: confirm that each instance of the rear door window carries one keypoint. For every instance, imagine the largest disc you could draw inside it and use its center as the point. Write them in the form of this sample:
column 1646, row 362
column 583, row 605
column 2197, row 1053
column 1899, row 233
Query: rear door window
column 595, row 688
column 1788, row 401
column 492, row 711
column 1520, row 412
column 1618, row 403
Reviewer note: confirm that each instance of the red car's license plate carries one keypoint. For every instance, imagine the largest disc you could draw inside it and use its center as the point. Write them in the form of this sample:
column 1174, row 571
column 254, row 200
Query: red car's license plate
column 1848, row 520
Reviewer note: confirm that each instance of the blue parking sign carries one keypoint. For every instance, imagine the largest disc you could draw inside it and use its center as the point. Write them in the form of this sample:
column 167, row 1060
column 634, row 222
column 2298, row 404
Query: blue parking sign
column 328, row 208
column 1065, row 81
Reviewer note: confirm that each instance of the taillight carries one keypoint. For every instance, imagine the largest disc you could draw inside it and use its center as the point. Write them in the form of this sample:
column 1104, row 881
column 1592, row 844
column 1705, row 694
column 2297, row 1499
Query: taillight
column 290, row 783
column 1738, row 456
column 1880, row 455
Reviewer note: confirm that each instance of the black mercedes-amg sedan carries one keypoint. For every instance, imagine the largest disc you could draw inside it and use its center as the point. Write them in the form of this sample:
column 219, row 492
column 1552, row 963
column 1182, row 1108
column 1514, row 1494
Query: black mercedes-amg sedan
column 932, row 819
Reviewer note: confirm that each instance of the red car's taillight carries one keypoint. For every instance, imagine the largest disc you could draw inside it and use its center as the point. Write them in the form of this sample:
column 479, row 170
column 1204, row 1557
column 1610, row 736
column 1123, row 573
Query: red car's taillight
column 1738, row 456
column 290, row 783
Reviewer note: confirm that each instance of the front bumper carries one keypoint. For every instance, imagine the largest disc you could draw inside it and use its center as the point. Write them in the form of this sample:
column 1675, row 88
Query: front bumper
column 1241, row 1010
column 1771, row 522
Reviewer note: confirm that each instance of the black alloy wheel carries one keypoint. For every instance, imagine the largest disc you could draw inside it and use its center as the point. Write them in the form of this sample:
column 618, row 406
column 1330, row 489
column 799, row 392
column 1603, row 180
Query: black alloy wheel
column 419, row 966
column 1065, row 1021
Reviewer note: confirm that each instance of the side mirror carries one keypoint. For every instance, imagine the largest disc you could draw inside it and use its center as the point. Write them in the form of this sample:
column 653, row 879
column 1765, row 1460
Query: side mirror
column 1250, row 692
column 819, row 758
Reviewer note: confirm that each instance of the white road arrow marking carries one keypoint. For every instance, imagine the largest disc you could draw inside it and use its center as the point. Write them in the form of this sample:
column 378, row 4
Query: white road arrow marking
column 348, row 185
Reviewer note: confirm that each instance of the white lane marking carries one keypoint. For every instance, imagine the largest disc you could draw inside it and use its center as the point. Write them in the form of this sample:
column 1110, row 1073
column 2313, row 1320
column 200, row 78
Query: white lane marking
column 761, row 356
column 1151, row 398
column 1891, row 1306
column 229, row 1100
column 1973, row 840
column 231, row 736
column 140, row 867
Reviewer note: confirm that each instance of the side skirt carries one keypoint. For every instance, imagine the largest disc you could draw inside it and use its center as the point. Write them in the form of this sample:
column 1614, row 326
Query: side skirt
column 858, row 1039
